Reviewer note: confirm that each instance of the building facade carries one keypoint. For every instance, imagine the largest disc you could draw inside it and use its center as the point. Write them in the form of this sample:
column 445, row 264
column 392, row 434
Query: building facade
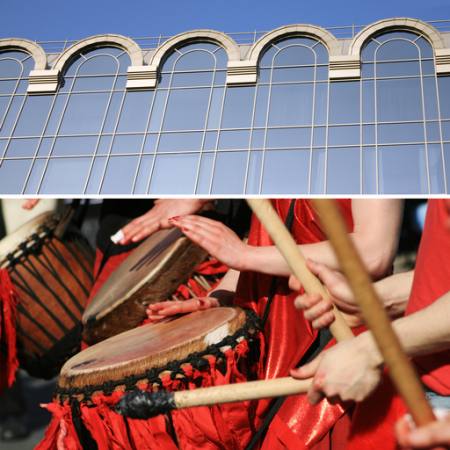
column 295, row 111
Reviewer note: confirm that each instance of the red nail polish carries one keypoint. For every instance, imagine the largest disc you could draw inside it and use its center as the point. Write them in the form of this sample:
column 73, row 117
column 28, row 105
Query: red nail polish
column 174, row 218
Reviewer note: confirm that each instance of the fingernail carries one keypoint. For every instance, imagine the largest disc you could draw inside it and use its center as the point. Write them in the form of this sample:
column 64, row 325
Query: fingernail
column 116, row 238
column 184, row 229
column 174, row 218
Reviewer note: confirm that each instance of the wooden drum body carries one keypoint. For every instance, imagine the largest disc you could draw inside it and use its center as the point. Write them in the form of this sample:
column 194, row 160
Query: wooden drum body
column 150, row 274
column 52, row 278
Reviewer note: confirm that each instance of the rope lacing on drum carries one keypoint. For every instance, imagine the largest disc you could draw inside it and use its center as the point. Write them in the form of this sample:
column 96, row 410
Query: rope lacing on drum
column 197, row 360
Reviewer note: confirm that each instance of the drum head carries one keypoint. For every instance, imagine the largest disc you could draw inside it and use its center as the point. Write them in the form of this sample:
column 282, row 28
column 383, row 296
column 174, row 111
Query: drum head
column 151, row 273
column 150, row 346
column 13, row 240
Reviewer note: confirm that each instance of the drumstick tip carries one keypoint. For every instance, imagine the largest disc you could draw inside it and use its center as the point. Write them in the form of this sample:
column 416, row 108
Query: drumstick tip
column 144, row 405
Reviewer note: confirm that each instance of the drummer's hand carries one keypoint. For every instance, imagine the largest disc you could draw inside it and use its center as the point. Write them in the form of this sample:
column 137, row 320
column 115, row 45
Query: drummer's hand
column 216, row 238
column 156, row 219
column 319, row 311
column 30, row 203
column 161, row 310
column 431, row 435
column 350, row 370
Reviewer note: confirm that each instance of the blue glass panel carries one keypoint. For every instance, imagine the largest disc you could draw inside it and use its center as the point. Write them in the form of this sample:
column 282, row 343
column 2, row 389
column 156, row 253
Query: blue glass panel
column 436, row 168
column 402, row 170
column 165, row 79
column 447, row 163
column 135, row 112
column 84, row 113
column 446, row 131
column 192, row 79
column 264, row 75
column 401, row 132
column 93, row 84
column 144, row 171
column 344, row 102
column 46, row 146
column 433, row 131
column 127, row 144
column 104, row 145
column 221, row 58
column 430, row 98
column 215, row 108
column 120, row 83
column 12, row 175
column 368, row 51
column 397, row 49
column 195, row 60
column 9, row 68
column 182, row 168
column 258, row 139
column 204, row 178
column 343, row 171
column 208, row 46
column 99, row 65
column 22, row 87
column 268, row 55
column 32, row 186
column 254, row 172
column 220, row 78
column 79, row 145
column 321, row 103
column 396, row 35
column 319, row 136
column 293, row 74
column 368, row 103
column 210, row 142
column 368, row 70
column 97, row 170
column 8, row 86
column 178, row 142
column 397, row 69
column 119, row 176
column 229, row 173
column 444, row 95
column 428, row 68
column 113, row 112
column 369, row 170
column 368, row 134
column 291, row 105
column 65, row 176
column 344, row 135
column 4, row 101
column 399, row 100
column 294, row 56
column 11, row 116
column 186, row 109
column 288, row 137
column 322, row 73
column 262, row 98
column 234, row 139
column 238, row 108
column 321, row 53
column 33, row 116
column 318, row 171
column 286, row 172
column 22, row 147
column 426, row 51
column 66, row 84
column 150, row 144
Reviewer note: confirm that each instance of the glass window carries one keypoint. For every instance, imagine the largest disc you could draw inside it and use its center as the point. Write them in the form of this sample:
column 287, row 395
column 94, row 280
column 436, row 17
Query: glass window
column 436, row 168
column 229, row 173
column 11, row 116
column 344, row 102
column 119, row 175
column 254, row 172
column 22, row 147
column 234, row 139
column 33, row 116
column 288, row 137
column 76, row 145
column 395, row 162
column 238, row 108
column 444, row 95
column 179, row 142
column 285, row 171
column 400, row 133
column 317, row 181
column 369, row 170
column 144, row 170
column 398, row 49
column 32, row 185
column 12, row 175
column 128, row 143
column 96, row 174
column 174, row 174
column 343, row 171
column 344, row 135
column 205, row 173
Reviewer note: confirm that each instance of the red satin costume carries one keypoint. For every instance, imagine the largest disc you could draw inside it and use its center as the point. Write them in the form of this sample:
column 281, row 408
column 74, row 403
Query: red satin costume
column 374, row 419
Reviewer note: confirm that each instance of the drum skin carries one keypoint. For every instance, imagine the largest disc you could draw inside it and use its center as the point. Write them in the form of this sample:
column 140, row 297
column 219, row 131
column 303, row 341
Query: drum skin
column 150, row 274
column 52, row 279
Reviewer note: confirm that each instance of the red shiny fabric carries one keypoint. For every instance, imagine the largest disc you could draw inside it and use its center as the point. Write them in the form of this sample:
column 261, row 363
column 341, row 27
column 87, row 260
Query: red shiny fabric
column 8, row 340
column 288, row 335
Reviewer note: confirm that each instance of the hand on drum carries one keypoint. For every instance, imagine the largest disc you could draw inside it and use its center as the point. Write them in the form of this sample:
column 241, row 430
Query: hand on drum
column 156, row 219
column 319, row 311
column 216, row 238
column 431, row 435
column 350, row 370
column 162, row 310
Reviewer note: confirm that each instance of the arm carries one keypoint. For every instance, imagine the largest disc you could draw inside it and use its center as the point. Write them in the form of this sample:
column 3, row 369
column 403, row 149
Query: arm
column 351, row 370
column 376, row 225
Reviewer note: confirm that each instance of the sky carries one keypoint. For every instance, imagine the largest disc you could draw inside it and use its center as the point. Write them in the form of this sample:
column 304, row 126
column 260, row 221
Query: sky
column 62, row 19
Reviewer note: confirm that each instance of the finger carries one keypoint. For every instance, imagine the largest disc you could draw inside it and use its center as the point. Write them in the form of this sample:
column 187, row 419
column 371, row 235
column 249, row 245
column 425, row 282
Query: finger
column 198, row 223
column 139, row 232
column 294, row 284
column 402, row 430
column 208, row 242
column 160, row 305
column 328, row 277
column 317, row 310
column 307, row 370
column 30, row 203
column 324, row 321
column 307, row 301
column 433, row 434
column 315, row 393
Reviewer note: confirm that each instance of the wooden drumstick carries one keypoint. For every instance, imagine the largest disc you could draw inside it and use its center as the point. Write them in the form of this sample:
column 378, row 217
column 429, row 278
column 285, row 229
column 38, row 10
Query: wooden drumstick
column 143, row 405
column 400, row 367
column 289, row 249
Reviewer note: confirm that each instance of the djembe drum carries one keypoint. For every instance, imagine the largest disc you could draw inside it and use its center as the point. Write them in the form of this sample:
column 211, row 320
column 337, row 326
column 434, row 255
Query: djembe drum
column 51, row 277
column 151, row 273
column 205, row 348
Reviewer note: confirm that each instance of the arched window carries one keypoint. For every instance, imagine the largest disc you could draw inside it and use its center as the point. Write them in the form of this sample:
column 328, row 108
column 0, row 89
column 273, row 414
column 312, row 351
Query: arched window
column 182, row 133
column 289, row 118
column 400, row 117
